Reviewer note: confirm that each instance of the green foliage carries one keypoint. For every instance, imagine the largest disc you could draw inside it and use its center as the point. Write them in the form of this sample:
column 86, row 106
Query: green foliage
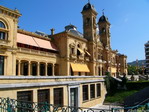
column 132, row 70
column 119, row 96
column 137, row 85
column 132, row 87
column 111, row 83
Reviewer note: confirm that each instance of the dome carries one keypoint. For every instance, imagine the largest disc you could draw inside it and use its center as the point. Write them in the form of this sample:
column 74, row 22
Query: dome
column 88, row 6
column 71, row 29
column 103, row 19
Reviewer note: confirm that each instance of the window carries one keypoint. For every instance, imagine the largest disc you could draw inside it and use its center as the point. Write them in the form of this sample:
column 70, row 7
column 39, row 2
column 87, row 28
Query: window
column 49, row 70
column 2, row 25
column 25, row 98
column 43, row 96
column 1, row 65
column 2, row 31
column 71, row 50
column 42, row 69
column 34, row 69
column 92, row 90
column 58, row 96
column 98, row 90
column 87, row 22
column 85, row 92
column 2, row 35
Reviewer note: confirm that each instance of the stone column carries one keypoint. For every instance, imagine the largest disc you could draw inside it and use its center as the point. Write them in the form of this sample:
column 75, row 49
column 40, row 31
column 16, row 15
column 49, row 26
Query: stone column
column 38, row 68
column 29, row 68
column 19, row 67
column 53, row 69
column 46, row 66
column 101, row 71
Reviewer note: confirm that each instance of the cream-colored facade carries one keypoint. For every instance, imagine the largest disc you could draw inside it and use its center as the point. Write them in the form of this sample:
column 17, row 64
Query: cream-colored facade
column 67, row 68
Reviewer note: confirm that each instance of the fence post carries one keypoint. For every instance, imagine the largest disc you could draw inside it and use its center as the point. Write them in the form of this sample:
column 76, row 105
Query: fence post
column 45, row 106
column 112, row 110
column 8, row 104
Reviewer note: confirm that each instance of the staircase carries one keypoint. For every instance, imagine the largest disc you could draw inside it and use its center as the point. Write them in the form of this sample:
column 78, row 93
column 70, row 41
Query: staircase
column 143, row 77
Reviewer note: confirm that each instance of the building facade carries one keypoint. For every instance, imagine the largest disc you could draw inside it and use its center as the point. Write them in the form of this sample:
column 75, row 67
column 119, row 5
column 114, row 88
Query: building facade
column 147, row 56
column 57, row 68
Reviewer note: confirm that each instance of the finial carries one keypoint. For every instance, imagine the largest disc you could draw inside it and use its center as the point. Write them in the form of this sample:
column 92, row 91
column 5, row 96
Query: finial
column 16, row 10
column 103, row 11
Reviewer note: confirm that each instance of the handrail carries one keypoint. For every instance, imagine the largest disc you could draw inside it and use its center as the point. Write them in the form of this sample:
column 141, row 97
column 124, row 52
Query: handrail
column 133, row 107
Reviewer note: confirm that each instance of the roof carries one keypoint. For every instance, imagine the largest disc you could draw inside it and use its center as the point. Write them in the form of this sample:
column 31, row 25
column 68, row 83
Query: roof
column 88, row 6
column 34, row 41
column 103, row 18
column 71, row 29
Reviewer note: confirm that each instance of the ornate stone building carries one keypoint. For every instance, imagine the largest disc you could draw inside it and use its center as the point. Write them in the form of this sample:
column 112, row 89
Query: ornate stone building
column 57, row 68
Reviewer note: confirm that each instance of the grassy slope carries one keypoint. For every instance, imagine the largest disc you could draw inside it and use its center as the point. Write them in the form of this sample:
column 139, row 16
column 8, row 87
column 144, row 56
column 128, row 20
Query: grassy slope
column 119, row 96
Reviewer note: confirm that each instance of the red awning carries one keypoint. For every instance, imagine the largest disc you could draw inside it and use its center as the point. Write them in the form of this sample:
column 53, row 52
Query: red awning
column 34, row 41
column 25, row 39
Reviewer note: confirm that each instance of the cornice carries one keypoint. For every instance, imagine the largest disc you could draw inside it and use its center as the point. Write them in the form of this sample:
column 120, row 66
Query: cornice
column 79, row 38
column 13, row 13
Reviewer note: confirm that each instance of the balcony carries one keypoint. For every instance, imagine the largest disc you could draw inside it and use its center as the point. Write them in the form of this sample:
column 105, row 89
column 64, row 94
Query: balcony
column 36, row 81
column 37, row 52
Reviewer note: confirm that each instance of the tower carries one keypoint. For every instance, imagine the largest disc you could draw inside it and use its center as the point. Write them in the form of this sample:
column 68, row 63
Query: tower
column 104, row 31
column 89, row 22
column 89, row 30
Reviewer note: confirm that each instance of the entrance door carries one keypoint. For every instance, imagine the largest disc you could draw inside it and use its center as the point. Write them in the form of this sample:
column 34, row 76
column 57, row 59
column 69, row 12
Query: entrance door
column 74, row 97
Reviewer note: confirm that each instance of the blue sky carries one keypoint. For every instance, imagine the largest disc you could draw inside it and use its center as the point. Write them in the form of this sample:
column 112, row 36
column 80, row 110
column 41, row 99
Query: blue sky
column 129, row 19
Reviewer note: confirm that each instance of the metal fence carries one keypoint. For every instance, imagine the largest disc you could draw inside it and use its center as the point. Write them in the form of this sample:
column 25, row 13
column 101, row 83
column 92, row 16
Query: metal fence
column 12, row 105
column 138, row 108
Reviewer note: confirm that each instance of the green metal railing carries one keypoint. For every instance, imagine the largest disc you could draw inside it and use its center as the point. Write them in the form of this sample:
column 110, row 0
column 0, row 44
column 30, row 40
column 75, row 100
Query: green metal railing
column 11, row 105
column 137, row 108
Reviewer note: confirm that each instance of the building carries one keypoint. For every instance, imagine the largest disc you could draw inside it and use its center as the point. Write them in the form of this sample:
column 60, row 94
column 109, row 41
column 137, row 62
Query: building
column 147, row 56
column 57, row 68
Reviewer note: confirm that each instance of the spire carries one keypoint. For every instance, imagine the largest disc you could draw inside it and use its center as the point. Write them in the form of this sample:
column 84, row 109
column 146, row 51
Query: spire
column 103, row 12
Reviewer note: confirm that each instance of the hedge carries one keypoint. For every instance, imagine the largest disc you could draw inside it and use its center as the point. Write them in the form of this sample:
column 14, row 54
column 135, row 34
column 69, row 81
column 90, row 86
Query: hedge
column 137, row 85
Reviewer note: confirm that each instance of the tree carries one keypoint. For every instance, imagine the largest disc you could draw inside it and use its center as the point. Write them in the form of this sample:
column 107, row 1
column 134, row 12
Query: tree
column 132, row 70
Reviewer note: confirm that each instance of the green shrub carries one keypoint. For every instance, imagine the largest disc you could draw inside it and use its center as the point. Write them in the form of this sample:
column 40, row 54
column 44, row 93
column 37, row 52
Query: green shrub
column 137, row 85
column 111, row 84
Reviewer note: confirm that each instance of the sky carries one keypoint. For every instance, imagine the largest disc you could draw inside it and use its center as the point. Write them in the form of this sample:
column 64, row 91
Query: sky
column 129, row 20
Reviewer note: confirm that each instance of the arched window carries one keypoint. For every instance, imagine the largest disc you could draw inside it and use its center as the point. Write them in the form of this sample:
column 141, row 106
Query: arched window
column 2, row 25
column 3, row 31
